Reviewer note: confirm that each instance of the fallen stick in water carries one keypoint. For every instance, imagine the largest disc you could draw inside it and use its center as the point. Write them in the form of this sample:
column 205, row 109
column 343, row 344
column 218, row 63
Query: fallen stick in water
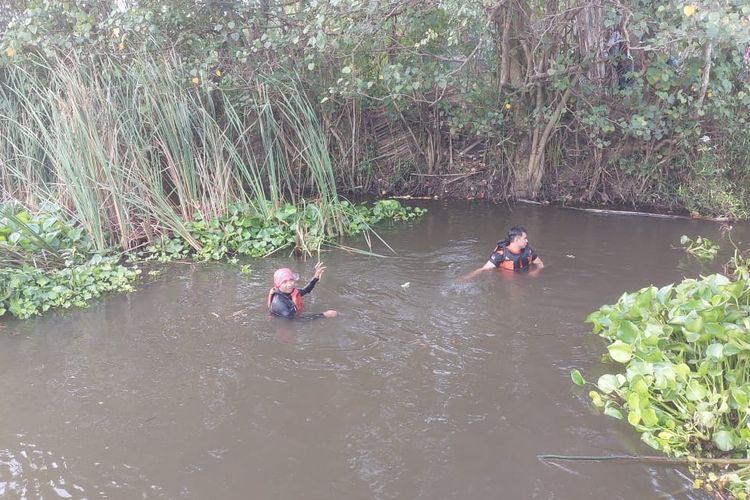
column 605, row 211
column 646, row 458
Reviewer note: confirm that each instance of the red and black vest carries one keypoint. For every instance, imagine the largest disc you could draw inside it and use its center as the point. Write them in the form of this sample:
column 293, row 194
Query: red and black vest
column 514, row 261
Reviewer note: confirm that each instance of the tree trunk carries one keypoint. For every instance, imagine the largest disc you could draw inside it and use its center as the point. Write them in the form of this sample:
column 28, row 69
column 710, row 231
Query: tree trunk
column 591, row 40
column 505, row 48
column 707, row 53
column 530, row 183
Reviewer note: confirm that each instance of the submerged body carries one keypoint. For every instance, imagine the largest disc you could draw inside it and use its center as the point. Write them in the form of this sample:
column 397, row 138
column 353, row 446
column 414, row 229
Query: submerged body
column 505, row 258
column 289, row 305
column 512, row 254
column 285, row 300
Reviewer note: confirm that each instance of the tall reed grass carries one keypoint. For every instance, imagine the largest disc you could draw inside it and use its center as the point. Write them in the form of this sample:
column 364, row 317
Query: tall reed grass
column 134, row 152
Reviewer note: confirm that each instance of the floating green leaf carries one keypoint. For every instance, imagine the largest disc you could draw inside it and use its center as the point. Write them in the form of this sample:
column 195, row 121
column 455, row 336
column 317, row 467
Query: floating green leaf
column 608, row 383
column 724, row 440
column 577, row 378
column 620, row 351
column 612, row 412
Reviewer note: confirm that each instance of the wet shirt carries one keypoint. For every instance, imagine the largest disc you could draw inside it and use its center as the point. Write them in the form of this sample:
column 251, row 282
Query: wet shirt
column 504, row 258
column 282, row 304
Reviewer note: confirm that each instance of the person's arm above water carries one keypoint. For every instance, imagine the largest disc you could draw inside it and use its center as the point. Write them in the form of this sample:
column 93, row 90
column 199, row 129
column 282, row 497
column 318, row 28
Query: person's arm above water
column 309, row 287
column 319, row 269
column 326, row 314
column 490, row 264
column 536, row 260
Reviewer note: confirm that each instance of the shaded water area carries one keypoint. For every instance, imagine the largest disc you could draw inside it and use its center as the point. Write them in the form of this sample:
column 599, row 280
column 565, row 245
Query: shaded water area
column 441, row 388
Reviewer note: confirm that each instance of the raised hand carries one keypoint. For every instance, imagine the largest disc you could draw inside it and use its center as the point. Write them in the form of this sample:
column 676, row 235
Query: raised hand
column 319, row 269
column 330, row 313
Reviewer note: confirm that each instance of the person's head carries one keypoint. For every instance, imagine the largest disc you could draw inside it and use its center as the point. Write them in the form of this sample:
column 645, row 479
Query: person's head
column 517, row 237
column 284, row 280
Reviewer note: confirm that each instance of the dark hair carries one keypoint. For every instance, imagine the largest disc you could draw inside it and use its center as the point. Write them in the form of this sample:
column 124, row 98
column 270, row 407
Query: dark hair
column 513, row 233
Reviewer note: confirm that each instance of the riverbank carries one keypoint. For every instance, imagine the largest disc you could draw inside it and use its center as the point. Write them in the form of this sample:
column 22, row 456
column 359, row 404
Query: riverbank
column 50, row 261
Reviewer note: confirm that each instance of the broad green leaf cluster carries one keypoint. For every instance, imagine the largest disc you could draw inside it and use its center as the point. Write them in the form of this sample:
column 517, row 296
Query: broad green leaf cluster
column 685, row 349
column 246, row 231
column 45, row 262
column 702, row 247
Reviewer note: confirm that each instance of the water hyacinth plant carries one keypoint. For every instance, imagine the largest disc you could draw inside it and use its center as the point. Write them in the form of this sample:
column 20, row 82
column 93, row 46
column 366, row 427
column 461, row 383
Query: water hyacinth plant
column 45, row 262
column 686, row 353
column 702, row 248
column 246, row 231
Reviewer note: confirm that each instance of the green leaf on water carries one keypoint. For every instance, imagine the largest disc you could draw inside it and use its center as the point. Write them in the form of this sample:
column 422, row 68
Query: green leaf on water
column 627, row 332
column 649, row 417
column 724, row 440
column 620, row 352
column 740, row 397
column 634, row 417
column 596, row 399
column 650, row 440
column 608, row 383
column 613, row 412
column 664, row 293
column 577, row 378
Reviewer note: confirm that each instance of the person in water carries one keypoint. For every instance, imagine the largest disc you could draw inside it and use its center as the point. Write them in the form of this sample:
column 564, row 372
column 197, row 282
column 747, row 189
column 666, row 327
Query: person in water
column 513, row 253
column 285, row 300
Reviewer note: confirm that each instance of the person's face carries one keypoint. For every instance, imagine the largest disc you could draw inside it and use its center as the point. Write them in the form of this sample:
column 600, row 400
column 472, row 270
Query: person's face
column 521, row 241
column 287, row 286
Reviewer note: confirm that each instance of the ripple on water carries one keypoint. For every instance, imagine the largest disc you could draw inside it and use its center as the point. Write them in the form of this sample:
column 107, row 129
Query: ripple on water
column 30, row 472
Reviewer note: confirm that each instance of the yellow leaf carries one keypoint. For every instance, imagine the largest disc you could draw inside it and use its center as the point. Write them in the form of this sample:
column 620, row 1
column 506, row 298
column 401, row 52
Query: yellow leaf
column 218, row 72
column 689, row 10
column 196, row 80
column 508, row 106
column 10, row 52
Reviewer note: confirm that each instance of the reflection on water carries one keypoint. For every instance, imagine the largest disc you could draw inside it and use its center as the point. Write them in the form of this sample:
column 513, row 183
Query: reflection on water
column 29, row 472
column 425, row 386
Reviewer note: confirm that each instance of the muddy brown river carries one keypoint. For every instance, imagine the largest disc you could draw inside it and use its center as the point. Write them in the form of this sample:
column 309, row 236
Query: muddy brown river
column 424, row 387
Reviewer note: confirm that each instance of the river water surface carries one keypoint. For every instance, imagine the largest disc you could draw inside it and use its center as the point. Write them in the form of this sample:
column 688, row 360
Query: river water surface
column 424, row 387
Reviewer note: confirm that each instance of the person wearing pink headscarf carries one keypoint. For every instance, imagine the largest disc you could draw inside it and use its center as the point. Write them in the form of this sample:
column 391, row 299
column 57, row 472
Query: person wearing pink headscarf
column 285, row 300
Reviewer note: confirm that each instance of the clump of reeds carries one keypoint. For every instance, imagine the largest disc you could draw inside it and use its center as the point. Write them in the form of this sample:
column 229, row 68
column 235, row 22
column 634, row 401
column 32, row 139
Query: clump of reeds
column 135, row 152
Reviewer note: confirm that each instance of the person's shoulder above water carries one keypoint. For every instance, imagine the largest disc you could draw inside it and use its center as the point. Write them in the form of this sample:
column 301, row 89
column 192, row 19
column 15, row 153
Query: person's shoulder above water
column 285, row 299
column 513, row 254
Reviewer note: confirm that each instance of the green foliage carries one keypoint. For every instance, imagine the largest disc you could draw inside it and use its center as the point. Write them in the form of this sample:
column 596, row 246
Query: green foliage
column 457, row 81
column 122, row 156
column 390, row 210
column 702, row 248
column 686, row 350
column 42, row 240
column 577, row 378
column 27, row 291
column 49, row 263
column 246, row 231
